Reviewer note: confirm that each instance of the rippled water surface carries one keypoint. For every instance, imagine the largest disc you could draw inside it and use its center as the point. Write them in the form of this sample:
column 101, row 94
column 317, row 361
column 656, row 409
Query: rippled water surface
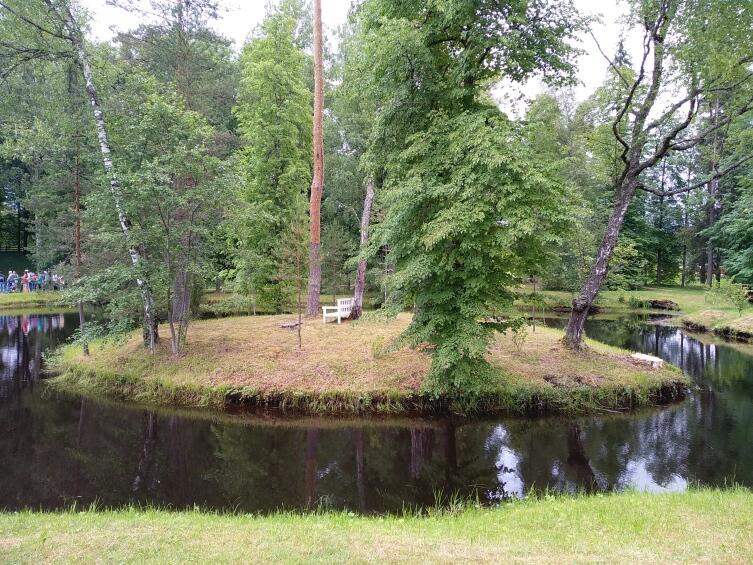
column 55, row 450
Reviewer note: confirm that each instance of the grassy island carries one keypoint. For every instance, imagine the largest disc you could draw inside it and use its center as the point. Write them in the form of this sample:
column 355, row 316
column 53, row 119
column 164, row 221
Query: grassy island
column 697, row 526
column 351, row 368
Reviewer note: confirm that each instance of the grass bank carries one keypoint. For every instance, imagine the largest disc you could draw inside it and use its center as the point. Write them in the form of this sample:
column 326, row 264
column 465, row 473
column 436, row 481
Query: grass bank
column 697, row 526
column 688, row 299
column 16, row 300
column 350, row 368
column 729, row 325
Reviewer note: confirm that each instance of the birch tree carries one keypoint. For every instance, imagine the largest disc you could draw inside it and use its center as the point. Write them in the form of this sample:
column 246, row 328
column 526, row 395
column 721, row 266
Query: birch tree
column 702, row 49
column 54, row 25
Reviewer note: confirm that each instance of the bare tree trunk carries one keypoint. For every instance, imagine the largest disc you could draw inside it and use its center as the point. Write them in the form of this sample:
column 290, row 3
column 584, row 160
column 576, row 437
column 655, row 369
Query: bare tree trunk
column 713, row 192
column 77, row 237
column 659, row 273
column 183, row 290
column 18, row 226
column 361, row 270
column 115, row 189
column 299, row 291
column 683, row 275
column 582, row 303
column 317, row 184
column 183, row 279
column 713, row 198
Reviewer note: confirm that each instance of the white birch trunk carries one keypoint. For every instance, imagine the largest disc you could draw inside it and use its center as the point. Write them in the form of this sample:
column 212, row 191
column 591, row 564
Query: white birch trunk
column 361, row 270
column 115, row 189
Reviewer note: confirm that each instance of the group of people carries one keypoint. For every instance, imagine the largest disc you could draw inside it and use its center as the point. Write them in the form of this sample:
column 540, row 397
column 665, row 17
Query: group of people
column 30, row 281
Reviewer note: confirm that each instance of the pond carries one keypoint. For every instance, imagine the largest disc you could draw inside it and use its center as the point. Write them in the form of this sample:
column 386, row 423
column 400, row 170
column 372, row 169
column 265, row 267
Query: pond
column 56, row 451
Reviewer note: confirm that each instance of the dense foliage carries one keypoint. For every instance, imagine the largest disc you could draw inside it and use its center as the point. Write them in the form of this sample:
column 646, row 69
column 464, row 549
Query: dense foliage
column 212, row 150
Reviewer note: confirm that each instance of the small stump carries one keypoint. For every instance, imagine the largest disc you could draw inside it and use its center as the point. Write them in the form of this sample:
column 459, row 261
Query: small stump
column 663, row 305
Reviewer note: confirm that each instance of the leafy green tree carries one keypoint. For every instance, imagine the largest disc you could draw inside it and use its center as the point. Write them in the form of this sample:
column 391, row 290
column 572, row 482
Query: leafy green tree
column 274, row 118
column 734, row 232
column 470, row 213
column 466, row 210
column 178, row 48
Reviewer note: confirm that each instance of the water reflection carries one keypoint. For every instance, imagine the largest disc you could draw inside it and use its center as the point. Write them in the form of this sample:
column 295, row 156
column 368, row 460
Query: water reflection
column 22, row 341
column 54, row 451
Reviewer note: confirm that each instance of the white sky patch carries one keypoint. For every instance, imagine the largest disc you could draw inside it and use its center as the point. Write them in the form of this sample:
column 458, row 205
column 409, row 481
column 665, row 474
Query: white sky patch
column 508, row 464
column 239, row 18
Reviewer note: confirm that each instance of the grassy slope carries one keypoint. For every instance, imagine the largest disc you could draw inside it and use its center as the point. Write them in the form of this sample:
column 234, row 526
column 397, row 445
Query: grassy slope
column 347, row 368
column 699, row 526
column 724, row 323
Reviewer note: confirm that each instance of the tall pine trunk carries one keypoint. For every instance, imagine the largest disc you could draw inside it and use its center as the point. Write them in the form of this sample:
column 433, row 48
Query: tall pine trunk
column 317, row 183
column 77, row 41
column 361, row 270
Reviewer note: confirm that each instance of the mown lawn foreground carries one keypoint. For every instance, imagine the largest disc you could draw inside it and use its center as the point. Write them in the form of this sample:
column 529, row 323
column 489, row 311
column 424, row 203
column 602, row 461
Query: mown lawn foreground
column 698, row 526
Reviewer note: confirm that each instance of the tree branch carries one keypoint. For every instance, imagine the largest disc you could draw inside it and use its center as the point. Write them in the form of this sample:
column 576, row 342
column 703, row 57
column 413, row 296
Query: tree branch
column 718, row 174
column 32, row 23
column 611, row 63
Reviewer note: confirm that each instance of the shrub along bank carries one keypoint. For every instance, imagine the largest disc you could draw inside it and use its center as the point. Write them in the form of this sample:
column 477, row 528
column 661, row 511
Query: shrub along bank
column 356, row 367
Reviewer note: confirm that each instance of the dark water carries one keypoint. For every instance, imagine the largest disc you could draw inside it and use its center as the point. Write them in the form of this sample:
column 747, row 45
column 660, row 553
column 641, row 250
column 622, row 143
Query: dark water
column 55, row 451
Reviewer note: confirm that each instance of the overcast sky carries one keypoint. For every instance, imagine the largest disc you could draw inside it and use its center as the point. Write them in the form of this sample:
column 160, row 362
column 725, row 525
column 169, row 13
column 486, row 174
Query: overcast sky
column 240, row 17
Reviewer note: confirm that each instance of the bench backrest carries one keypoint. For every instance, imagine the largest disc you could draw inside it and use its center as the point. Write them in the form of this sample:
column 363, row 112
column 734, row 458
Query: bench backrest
column 344, row 304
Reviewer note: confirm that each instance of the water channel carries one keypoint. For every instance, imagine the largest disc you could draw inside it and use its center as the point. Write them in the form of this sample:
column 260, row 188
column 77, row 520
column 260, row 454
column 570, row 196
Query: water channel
column 57, row 450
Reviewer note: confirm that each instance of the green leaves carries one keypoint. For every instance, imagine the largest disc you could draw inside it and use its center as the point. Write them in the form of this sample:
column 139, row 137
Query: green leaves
column 468, row 209
column 274, row 117
column 469, row 213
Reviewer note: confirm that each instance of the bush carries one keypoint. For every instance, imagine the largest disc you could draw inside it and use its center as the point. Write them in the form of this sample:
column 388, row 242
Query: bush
column 636, row 304
column 730, row 293
column 378, row 347
column 519, row 336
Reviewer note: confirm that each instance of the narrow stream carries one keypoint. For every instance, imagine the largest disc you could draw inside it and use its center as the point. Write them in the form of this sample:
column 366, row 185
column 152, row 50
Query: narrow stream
column 59, row 450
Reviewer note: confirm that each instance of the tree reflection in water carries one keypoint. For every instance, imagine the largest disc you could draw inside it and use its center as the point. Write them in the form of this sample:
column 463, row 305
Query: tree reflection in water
column 55, row 450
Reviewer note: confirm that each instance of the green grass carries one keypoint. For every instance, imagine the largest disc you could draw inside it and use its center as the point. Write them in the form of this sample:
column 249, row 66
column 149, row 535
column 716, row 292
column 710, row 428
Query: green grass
column 730, row 325
column 348, row 368
column 697, row 526
column 689, row 299
column 229, row 303
column 10, row 300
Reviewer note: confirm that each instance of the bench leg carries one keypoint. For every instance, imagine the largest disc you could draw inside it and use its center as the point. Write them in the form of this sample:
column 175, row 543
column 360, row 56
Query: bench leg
column 324, row 319
column 338, row 318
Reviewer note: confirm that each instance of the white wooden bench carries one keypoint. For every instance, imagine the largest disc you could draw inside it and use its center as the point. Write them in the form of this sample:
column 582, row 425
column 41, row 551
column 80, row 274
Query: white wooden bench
column 342, row 310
